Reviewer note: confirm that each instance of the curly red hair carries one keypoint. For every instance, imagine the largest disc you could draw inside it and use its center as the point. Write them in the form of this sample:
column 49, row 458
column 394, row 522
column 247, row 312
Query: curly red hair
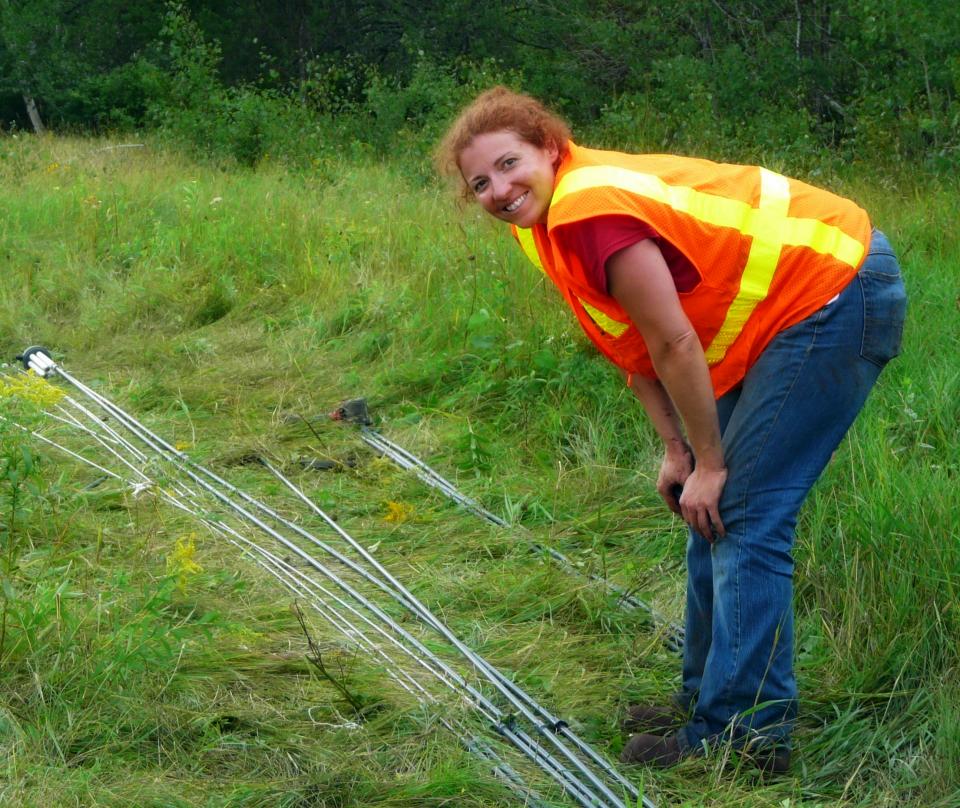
column 494, row 110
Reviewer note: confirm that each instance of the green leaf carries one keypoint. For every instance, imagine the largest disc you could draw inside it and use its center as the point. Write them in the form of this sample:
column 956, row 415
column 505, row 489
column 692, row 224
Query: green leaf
column 27, row 456
column 545, row 361
column 8, row 591
column 478, row 319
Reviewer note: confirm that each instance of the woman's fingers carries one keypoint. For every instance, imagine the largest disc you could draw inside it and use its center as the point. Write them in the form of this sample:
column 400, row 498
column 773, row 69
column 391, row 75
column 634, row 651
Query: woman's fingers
column 701, row 520
column 716, row 524
column 674, row 471
column 671, row 495
column 700, row 503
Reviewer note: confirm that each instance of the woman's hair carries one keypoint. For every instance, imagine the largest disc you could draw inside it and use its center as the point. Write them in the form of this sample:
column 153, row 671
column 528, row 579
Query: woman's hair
column 494, row 110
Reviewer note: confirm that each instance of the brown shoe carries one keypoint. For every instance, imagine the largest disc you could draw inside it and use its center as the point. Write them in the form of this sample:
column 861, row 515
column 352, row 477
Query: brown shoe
column 654, row 750
column 653, row 718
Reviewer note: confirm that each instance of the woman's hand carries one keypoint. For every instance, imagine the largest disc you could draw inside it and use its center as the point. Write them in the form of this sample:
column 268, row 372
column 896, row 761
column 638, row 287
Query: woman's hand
column 676, row 468
column 700, row 501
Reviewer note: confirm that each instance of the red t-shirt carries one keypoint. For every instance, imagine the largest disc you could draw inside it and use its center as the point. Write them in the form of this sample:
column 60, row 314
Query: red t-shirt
column 594, row 240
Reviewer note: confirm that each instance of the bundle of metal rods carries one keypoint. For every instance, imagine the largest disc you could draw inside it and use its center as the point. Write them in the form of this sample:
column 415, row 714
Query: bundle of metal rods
column 347, row 587
column 673, row 632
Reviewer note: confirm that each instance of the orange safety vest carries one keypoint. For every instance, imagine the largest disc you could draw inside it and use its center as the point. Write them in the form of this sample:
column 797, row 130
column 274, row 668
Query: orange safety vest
column 769, row 250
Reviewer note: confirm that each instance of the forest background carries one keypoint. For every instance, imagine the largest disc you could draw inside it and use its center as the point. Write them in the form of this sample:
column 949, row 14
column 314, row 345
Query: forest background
column 232, row 223
column 856, row 79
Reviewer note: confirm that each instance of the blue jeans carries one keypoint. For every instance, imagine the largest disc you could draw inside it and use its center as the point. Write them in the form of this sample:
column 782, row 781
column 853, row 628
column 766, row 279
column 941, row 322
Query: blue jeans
column 779, row 427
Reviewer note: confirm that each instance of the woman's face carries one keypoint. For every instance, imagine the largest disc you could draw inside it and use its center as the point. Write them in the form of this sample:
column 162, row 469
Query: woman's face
column 510, row 178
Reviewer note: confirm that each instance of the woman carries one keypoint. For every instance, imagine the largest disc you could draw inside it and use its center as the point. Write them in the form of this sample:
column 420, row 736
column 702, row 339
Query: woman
column 751, row 315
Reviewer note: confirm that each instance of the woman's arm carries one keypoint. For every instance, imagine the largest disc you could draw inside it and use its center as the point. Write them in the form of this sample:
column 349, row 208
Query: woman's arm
column 640, row 281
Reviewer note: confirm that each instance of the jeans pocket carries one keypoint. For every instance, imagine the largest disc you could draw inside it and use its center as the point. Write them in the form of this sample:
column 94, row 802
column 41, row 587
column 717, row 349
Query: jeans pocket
column 884, row 308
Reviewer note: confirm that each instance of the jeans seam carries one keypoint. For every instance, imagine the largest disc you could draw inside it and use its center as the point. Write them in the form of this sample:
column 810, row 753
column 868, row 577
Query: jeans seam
column 743, row 499
column 863, row 330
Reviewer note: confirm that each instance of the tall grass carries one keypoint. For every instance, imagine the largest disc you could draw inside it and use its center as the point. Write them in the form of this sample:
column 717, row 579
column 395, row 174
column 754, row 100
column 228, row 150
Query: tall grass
column 218, row 303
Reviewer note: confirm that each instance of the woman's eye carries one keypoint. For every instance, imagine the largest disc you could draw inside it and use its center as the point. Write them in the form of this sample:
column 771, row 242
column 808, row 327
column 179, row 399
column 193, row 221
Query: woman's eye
column 509, row 162
column 479, row 186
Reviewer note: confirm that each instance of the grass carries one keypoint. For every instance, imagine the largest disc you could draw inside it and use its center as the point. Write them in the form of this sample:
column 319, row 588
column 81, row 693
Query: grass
column 218, row 303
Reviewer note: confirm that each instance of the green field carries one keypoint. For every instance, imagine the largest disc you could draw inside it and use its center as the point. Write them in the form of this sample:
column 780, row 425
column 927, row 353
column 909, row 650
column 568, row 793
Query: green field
column 216, row 303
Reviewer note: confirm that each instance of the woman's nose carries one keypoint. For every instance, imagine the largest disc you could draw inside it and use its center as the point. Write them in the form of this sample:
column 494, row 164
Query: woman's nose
column 500, row 187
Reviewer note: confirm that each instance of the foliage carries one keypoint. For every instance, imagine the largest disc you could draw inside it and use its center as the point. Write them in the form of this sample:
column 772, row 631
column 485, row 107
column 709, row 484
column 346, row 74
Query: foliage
column 729, row 79
column 81, row 72
column 409, row 117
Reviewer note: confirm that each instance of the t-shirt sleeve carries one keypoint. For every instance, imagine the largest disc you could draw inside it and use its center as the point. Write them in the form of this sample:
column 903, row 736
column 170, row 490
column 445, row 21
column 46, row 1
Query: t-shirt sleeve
column 594, row 240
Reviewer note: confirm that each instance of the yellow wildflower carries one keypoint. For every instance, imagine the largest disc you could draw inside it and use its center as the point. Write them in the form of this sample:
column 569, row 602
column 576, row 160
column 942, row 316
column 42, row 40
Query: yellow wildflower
column 181, row 563
column 399, row 512
column 31, row 388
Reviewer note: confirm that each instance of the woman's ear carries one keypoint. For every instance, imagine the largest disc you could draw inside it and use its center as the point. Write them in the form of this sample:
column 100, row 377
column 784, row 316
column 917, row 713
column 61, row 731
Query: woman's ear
column 553, row 151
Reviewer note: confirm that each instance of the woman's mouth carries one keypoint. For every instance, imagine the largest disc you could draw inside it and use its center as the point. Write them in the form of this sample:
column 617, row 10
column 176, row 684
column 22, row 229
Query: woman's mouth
column 516, row 202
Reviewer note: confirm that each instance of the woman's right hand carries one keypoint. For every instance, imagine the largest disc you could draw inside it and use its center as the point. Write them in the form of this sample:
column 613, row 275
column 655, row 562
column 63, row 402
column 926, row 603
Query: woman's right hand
column 677, row 465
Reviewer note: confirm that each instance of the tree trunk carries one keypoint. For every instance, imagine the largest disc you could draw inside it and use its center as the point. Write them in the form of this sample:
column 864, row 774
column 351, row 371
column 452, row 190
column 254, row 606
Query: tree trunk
column 34, row 114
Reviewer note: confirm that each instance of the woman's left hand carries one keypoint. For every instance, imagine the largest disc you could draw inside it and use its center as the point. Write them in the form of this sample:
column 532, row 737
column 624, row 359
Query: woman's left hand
column 700, row 502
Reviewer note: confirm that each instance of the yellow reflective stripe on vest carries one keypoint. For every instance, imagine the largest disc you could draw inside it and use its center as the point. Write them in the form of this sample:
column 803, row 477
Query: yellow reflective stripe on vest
column 760, row 267
column 525, row 237
column 767, row 224
column 529, row 245
column 608, row 324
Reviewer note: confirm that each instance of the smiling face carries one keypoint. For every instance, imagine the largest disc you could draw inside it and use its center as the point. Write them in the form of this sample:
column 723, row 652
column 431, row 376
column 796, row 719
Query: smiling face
column 510, row 178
